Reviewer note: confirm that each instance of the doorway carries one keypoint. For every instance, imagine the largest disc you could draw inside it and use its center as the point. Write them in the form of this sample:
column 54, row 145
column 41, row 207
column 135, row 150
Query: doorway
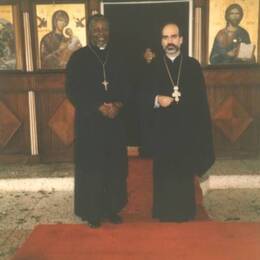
column 135, row 26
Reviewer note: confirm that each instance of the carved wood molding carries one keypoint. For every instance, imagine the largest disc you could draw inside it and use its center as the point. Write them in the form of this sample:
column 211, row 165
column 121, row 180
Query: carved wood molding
column 94, row 6
column 200, row 3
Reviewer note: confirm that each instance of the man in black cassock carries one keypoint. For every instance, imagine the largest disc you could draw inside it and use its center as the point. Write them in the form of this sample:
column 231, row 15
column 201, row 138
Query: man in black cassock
column 145, row 112
column 96, row 84
column 182, row 145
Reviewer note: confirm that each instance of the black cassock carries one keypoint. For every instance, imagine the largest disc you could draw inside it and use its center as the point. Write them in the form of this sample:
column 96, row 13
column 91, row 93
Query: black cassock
column 182, row 138
column 100, row 143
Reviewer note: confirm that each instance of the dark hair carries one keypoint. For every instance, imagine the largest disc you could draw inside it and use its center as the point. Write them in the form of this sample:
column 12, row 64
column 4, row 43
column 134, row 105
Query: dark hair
column 172, row 23
column 234, row 6
column 94, row 18
column 60, row 14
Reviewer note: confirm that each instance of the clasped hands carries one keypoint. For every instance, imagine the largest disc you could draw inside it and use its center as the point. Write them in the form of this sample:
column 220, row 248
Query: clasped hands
column 110, row 110
column 164, row 101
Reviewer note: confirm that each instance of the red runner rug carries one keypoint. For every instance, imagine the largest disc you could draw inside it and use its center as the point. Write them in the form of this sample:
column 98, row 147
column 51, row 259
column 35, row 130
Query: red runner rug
column 140, row 192
column 142, row 238
column 144, row 241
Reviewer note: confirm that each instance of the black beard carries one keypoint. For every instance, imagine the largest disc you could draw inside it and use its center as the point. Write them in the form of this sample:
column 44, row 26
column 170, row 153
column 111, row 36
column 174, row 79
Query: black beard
column 171, row 47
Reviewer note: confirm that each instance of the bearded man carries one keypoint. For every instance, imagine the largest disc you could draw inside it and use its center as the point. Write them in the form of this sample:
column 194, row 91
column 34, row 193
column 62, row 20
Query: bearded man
column 174, row 88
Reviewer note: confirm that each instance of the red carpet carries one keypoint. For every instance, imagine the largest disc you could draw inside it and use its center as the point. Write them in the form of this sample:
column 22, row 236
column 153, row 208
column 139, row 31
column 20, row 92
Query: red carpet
column 140, row 192
column 141, row 237
column 144, row 241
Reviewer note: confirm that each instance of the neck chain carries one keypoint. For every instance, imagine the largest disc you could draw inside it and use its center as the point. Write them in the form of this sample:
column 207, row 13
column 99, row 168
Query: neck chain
column 105, row 83
column 176, row 94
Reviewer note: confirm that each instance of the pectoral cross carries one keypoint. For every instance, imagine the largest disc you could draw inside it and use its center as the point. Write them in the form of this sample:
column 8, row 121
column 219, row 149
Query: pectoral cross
column 176, row 94
column 105, row 84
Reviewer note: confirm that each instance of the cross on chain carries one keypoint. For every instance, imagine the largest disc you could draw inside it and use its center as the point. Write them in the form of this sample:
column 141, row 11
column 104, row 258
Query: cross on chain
column 176, row 94
column 105, row 84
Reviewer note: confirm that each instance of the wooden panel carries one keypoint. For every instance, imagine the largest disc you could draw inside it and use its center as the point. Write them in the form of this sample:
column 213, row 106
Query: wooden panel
column 15, row 82
column 18, row 144
column 49, row 81
column 9, row 125
column 14, row 88
column 56, row 141
column 225, row 76
column 232, row 118
column 62, row 122
column 52, row 146
column 243, row 84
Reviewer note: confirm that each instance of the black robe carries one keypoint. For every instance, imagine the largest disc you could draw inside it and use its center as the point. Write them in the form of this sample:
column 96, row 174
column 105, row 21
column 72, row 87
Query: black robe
column 100, row 143
column 182, row 137
column 145, row 114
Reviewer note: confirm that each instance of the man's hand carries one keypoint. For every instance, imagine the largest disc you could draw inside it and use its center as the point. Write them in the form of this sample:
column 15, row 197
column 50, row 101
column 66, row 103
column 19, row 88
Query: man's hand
column 118, row 104
column 110, row 110
column 149, row 55
column 165, row 101
column 104, row 109
column 113, row 110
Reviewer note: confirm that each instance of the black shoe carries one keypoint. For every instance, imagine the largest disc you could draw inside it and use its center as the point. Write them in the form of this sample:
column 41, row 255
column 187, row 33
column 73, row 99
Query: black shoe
column 93, row 224
column 115, row 219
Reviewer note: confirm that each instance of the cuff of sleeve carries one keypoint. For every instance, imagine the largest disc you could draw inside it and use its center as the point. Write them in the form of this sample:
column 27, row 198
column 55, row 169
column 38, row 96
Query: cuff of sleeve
column 156, row 103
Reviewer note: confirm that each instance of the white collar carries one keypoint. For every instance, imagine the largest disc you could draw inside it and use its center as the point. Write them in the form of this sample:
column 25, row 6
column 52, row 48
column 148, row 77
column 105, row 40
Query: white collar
column 173, row 58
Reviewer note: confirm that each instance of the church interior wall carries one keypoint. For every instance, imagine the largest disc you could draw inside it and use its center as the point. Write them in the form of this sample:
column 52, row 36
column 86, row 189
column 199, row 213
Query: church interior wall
column 36, row 119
